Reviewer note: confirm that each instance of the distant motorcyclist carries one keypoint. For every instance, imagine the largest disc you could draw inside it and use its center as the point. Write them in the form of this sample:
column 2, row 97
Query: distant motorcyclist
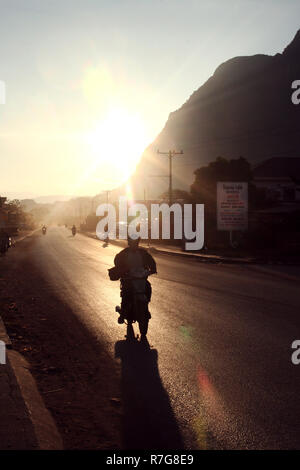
column 4, row 241
column 44, row 230
column 74, row 230
column 131, row 263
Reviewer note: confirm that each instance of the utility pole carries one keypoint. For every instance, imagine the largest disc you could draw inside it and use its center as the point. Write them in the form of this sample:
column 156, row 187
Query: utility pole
column 171, row 154
column 93, row 204
column 107, row 194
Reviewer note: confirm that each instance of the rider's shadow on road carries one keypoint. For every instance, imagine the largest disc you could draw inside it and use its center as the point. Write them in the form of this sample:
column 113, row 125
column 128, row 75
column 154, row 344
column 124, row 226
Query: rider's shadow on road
column 148, row 418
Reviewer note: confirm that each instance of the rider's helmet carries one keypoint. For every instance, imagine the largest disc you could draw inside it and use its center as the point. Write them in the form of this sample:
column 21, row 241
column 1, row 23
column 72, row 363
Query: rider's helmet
column 133, row 242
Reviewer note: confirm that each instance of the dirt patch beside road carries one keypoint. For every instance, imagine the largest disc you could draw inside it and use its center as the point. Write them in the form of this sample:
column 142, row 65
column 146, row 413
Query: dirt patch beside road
column 78, row 380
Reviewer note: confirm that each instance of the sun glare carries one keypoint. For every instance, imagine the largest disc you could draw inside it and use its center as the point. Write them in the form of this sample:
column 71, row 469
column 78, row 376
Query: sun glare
column 118, row 142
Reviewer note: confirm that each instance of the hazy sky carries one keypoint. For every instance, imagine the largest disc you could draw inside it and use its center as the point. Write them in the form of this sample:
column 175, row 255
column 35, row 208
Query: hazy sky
column 89, row 83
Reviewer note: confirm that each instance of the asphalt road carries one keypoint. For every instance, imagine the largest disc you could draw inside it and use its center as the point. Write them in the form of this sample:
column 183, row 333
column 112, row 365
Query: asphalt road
column 217, row 373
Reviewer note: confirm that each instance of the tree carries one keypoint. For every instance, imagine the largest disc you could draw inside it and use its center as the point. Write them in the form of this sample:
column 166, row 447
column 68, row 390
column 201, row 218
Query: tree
column 204, row 188
column 177, row 194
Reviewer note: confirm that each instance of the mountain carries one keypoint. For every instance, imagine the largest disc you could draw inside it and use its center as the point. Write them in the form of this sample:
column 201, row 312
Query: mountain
column 52, row 199
column 11, row 195
column 244, row 109
column 24, row 196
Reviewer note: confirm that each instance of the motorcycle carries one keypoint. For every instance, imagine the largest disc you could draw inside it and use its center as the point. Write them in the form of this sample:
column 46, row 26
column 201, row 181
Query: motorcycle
column 44, row 230
column 135, row 291
column 73, row 231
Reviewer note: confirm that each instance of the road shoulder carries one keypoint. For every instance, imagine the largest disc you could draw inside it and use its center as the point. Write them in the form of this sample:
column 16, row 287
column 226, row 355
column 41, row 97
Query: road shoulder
column 25, row 423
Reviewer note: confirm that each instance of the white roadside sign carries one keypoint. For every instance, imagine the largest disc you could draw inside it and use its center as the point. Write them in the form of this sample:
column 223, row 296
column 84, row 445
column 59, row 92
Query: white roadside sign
column 232, row 206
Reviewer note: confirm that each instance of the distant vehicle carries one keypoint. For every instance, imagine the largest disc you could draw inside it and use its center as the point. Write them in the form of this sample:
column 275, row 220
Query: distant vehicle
column 44, row 230
column 74, row 230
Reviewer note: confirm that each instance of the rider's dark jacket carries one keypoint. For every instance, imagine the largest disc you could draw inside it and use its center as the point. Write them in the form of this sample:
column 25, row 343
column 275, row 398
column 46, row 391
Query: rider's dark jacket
column 122, row 266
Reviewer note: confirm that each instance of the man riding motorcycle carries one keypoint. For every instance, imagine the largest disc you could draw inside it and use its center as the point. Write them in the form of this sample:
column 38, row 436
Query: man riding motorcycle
column 5, row 241
column 133, row 265
column 74, row 230
column 44, row 229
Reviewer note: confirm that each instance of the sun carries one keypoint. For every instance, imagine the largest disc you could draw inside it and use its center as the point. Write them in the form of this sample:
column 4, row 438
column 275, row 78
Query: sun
column 117, row 142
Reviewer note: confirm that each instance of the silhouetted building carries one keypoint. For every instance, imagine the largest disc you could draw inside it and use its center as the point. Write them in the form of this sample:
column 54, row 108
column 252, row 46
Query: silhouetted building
column 280, row 179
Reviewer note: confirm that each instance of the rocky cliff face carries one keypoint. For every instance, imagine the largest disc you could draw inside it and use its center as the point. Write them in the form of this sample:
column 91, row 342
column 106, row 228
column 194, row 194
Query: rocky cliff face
column 244, row 109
